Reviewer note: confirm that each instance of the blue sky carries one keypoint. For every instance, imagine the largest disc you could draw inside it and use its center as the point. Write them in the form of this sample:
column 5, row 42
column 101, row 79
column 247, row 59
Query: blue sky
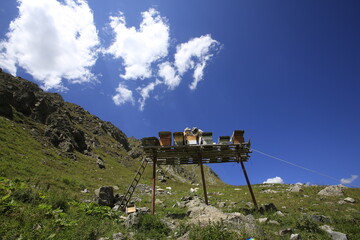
column 287, row 72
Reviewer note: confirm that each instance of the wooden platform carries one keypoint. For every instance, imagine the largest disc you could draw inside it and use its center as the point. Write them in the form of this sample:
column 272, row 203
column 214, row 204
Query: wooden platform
column 196, row 154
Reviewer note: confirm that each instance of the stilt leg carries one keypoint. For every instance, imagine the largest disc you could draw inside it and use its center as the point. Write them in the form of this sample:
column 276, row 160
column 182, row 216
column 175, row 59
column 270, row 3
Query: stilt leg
column 153, row 187
column 249, row 185
column 203, row 182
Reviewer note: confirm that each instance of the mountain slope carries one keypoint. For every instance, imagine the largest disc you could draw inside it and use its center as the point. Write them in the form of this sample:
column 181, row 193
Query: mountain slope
column 57, row 149
column 53, row 142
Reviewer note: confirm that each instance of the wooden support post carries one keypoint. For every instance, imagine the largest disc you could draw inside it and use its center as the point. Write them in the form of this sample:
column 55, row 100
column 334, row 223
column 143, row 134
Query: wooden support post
column 203, row 182
column 248, row 183
column 153, row 186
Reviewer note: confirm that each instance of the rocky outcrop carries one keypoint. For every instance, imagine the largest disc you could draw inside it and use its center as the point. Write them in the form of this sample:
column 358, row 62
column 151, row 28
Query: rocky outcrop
column 67, row 126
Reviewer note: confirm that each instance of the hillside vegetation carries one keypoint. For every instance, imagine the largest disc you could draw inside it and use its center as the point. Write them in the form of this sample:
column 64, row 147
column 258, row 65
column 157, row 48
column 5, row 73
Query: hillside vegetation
column 55, row 154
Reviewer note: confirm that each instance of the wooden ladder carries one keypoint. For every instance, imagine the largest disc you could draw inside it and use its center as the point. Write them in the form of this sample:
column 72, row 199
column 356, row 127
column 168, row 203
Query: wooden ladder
column 129, row 192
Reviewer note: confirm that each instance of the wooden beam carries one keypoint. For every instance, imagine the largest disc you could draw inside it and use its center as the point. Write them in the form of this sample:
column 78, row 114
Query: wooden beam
column 153, row 186
column 203, row 182
column 248, row 183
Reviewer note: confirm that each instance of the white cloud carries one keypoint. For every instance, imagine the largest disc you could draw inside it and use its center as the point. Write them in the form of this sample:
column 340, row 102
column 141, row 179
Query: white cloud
column 52, row 41
column 139, row 48
column 123, row 95
column 349, row 180
column 168, row 73
column 275, row 180
column 194, row 54
column 145, row 93
column 198, row 75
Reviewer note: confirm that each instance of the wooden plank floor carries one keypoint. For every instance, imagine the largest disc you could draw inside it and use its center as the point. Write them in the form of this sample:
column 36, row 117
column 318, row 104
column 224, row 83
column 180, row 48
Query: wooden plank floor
column 194, row 154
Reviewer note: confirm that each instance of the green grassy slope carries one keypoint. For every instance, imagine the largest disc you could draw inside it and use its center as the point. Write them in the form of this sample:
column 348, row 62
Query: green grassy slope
column 41, row 183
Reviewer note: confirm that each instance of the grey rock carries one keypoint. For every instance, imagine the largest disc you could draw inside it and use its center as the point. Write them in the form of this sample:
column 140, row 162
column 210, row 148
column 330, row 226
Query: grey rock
column 280, row 214
column 320, row 219
column 85, row 190
column 338, row 235
column 295, row 236
column 263, row 220
column 136, row 152
column 181, row 204
column 334, row 235
column 221, row 204
column 349, row 200
column 336, row 190
column 133, row 219
column 274, row 222
column 203, row 214
column 105, row 196
column 296, row 188
column 249, row 204
column 118, row 236
column 66, row 146
column 144, row 209
column 100, row 163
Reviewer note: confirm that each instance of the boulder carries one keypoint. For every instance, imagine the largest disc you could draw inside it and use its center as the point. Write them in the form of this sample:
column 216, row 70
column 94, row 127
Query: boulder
column 349, row 200
column 320, row 219
column 296, row 188
column 335, row 190
column 133, row 219
column 203, row 214
column 334, row 235
column 105, row 196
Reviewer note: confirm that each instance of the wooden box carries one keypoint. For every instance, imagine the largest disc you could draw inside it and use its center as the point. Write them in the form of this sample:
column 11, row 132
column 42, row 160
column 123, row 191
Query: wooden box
column 130, row 209
column 191, row 140
column 178, row 138
column 224, row 140
column 206, row 138
column 150, row 141
column 237, row 137
column 165, row 138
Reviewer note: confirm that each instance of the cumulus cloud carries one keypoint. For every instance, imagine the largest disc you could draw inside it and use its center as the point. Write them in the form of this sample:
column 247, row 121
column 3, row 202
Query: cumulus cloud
column 275, row 180
column 139, row 48
column 145, row 93
column 168, row 73
column 52, row 41
column 123, row 95
column 194, row 54
column 349, row 180
column 55, row 40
